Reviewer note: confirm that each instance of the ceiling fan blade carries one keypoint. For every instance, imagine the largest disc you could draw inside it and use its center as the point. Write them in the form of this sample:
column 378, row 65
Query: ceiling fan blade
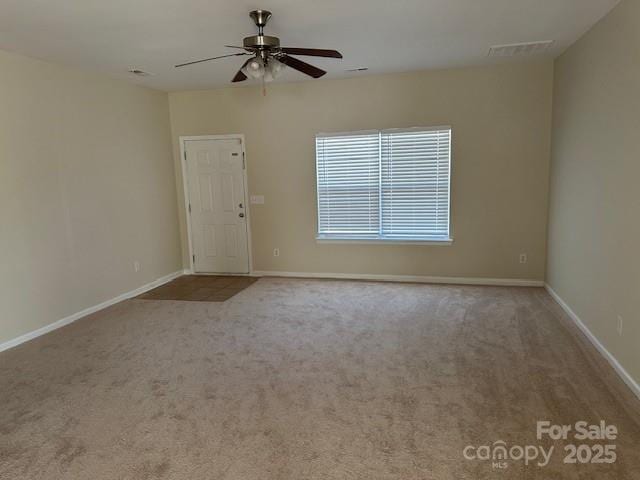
column 241, row 77
column 301, row 66
column 212, row 58
column 312, row 52
column 242, row 48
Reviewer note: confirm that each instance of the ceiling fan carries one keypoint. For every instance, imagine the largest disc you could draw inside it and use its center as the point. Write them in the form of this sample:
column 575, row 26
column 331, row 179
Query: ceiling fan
column 268, row 58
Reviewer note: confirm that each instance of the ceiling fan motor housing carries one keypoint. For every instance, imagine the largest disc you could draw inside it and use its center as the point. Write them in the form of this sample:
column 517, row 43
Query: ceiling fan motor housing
column 261, row 42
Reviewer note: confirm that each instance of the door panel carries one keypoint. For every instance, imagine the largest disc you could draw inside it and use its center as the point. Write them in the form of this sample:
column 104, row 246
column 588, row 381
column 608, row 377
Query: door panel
column 216, row 192
column 205, row 184
column 210, row 240
column 231, row 240
column 228, row 197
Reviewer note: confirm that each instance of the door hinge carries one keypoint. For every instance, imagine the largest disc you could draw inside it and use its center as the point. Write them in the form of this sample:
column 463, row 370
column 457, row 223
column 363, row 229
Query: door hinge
column 189, row 208
column 243, row 163
column 185, row 155
column 194, row 259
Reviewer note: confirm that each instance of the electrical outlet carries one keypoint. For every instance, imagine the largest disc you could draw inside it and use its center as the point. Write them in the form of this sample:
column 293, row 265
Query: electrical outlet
column 619, row 326
column 276, row 252
column 523, row 258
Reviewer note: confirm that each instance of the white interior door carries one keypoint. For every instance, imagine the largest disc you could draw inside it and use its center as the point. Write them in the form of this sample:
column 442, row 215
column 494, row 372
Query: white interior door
column 215, row 173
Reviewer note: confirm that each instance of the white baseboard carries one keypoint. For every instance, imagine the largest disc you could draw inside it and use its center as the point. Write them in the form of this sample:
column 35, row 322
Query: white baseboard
column 626, row 377
column 88, row 311
column 504, row 282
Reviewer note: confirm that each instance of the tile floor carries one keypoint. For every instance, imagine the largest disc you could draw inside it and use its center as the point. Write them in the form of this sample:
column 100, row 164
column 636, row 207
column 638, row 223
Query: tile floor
column 200, row 288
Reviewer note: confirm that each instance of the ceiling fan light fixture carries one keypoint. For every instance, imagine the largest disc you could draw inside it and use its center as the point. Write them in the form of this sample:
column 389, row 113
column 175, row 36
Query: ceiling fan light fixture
column 254, row 69
column 273, row 70
column 267, row 70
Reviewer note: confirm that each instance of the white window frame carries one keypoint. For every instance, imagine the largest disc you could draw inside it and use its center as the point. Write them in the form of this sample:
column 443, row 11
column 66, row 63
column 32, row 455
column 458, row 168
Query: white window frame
column 337, row 239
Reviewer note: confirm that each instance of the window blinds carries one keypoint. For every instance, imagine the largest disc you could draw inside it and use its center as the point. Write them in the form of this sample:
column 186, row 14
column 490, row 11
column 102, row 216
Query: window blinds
column 415, row 184
column 387, row 185
column 348, row 169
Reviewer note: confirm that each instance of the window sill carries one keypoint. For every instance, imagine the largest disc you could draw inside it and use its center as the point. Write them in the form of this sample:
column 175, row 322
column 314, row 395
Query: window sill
column 385, row 241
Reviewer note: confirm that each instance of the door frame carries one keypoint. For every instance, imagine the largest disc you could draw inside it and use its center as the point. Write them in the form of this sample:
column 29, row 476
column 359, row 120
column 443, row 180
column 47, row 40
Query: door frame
column 185, row 205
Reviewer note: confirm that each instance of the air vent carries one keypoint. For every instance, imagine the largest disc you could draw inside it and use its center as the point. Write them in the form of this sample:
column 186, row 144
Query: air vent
column 361, row 69
column 520, row 49
column 140, row 73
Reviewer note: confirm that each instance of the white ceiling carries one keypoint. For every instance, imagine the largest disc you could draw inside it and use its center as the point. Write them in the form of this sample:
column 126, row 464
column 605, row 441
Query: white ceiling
column 112, row 36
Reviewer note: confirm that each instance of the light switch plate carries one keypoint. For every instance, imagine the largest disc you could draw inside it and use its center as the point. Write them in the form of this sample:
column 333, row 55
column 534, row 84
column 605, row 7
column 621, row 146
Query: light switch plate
column 257, row 199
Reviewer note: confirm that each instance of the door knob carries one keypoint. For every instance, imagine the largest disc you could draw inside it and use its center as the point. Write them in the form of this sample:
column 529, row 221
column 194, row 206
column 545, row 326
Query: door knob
column 241, row 215
column 240, row 206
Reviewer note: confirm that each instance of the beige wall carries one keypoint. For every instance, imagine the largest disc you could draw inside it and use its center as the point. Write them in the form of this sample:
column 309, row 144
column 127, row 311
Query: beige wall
column 86, row 187
column 594, row 235
column 501, row 120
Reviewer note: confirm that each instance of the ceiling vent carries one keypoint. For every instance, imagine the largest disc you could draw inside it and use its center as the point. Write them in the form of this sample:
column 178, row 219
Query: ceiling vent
column 520, row 49
column 140, row 73
column 361, row 69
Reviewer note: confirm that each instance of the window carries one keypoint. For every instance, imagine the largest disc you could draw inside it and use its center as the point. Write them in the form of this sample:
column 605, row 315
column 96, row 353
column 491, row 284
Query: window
column 384, row 185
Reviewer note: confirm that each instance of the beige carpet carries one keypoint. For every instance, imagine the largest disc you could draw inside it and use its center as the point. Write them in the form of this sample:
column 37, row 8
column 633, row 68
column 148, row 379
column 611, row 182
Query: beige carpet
column 308, row 379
